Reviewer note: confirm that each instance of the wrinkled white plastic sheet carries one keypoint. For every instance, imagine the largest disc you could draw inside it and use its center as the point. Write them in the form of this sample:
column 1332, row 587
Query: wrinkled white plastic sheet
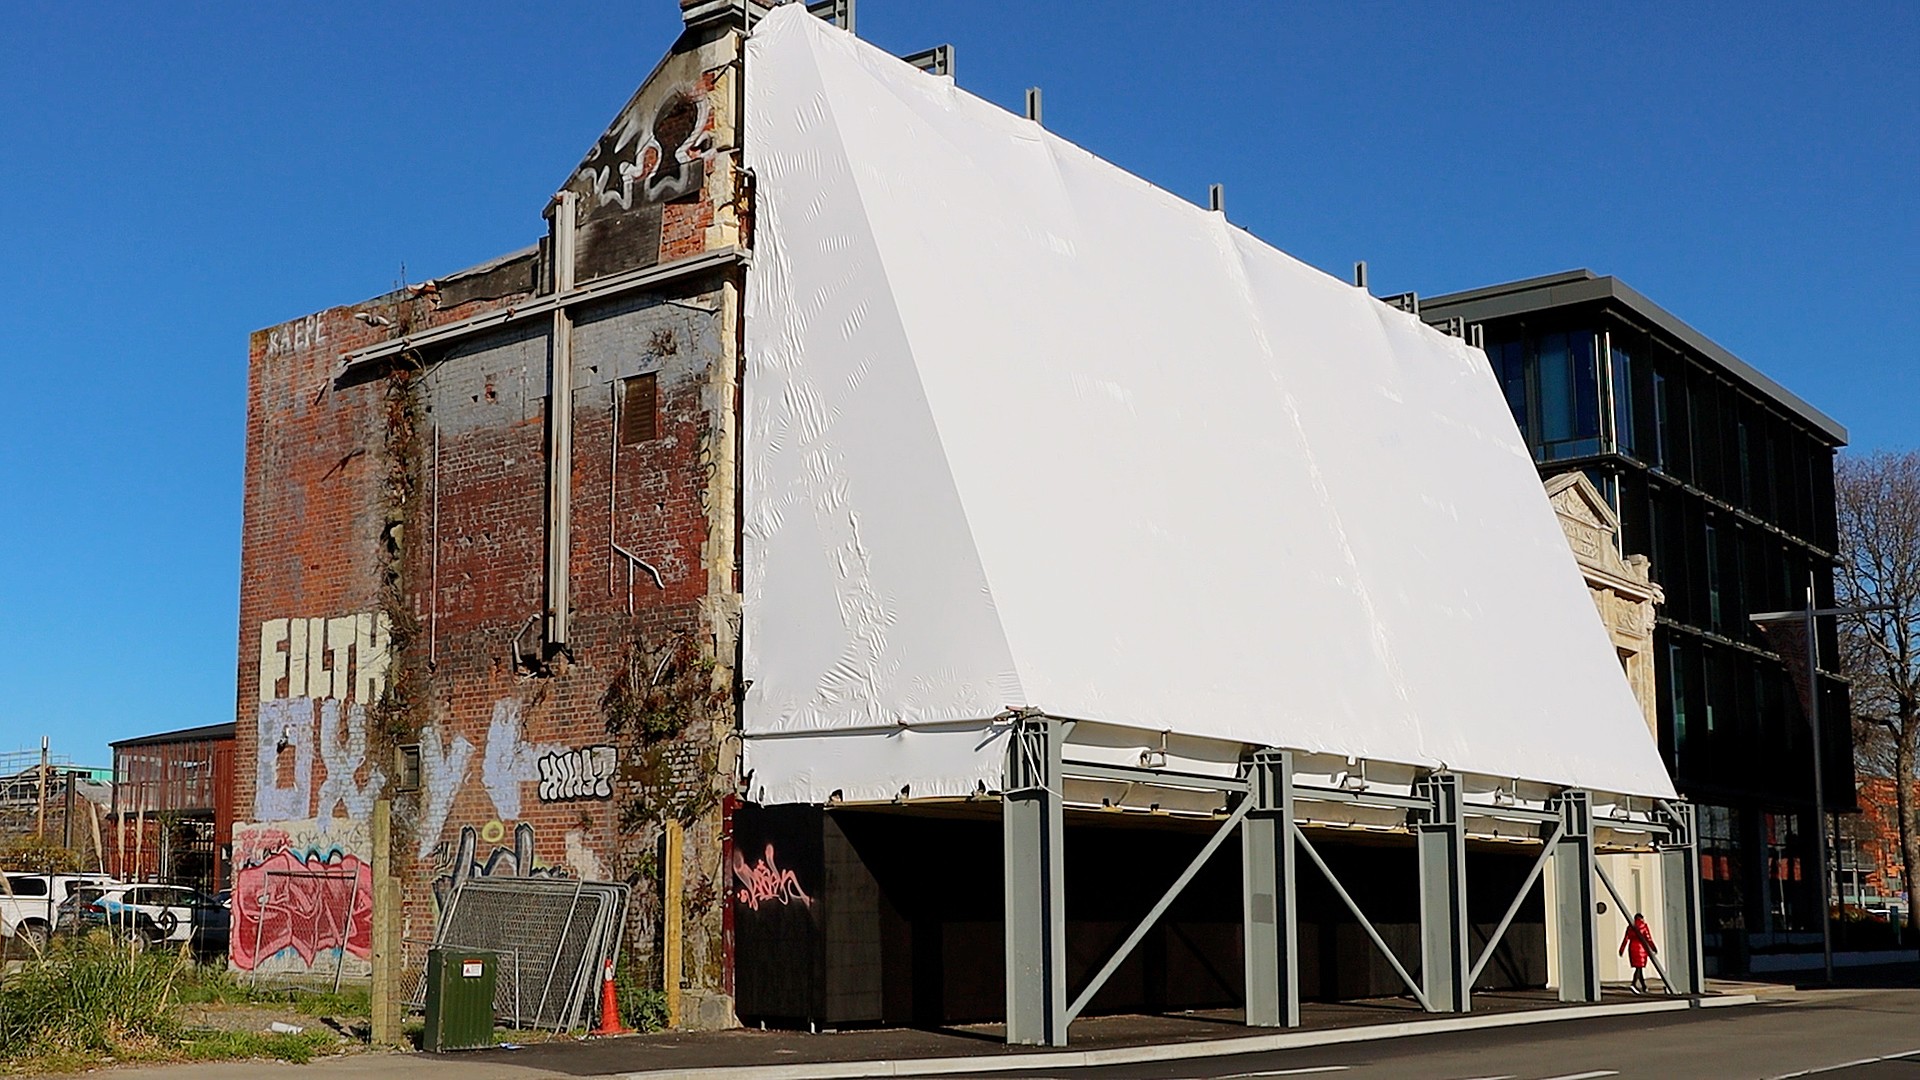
column 1024, row 430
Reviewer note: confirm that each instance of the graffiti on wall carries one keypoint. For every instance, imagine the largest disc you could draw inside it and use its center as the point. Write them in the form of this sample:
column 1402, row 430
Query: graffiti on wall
column 342, row 657
column 461, row 860
column 443, row 768
column 586, row 773
column 509, row 760
column 302, row 896
column 764, row 882
column 317, row 677
column 658, row 155
column 298, row 334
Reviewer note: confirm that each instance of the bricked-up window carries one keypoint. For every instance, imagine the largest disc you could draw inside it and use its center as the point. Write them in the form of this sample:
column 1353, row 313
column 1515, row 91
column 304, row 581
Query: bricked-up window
column 639, row 409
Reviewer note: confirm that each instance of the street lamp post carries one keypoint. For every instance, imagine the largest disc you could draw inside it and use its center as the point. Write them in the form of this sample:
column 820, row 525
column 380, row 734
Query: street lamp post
column 1810, row 628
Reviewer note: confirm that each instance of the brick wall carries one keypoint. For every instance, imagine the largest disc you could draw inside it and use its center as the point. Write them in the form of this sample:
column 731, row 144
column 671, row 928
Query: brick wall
column 393, row 562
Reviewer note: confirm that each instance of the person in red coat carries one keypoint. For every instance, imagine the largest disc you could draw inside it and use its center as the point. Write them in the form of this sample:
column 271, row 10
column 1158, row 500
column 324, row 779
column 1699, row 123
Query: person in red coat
column 1638, row 946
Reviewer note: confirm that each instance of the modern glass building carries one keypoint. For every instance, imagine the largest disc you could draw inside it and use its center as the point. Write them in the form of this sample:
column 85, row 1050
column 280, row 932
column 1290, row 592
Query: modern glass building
column 1725, row 480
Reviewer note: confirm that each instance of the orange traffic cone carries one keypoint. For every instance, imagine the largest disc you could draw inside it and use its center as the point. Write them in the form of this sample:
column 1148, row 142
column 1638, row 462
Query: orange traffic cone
column 609, row 1007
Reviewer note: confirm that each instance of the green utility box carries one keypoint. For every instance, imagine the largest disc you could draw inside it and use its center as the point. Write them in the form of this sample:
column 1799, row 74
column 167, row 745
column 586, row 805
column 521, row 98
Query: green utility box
column 459, row 998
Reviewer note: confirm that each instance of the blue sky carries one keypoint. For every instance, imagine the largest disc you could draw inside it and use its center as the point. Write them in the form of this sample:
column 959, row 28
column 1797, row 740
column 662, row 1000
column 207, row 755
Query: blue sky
column 173, row 177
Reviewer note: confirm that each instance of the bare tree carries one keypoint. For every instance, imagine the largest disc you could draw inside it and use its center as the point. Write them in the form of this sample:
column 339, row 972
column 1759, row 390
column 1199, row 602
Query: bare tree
column 1878, row 498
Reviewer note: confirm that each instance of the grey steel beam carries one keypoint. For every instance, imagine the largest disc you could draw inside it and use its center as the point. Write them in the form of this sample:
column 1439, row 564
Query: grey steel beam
column 1269, row 904
column 1513, row 909
column 1440, row 841
column 1680, row 891
column 1360, row 798
column 1153, row 916
column 1578, row 954
column 1033, row 826
column 1366, row 924
column 604, row 288
column 1086, row 770
column 1511, row 813
column 938, row 60
column 560, row 433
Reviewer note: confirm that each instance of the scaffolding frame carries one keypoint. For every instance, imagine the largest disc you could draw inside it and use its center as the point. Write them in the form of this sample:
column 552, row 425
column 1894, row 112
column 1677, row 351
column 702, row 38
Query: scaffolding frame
column 1260, row 806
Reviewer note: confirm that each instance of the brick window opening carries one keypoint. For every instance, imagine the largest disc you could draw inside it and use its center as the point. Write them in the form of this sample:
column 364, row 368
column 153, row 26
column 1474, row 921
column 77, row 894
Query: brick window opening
column 639, row 409
column 407, row 767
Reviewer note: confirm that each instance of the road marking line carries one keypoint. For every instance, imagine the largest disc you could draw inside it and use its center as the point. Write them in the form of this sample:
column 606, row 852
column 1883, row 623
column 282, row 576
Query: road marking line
column 1846, row 1065
column 1594, row 1075
column 1287, row 1073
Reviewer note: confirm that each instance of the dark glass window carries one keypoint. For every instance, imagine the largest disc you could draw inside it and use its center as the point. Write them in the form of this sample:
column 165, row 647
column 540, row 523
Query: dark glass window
column 1569, row 389
column 1788, row 876
column 1677, row 681
column 1773, row 482
column 1622, row 399
column 1660, row 411
column 1713, row 588
column 1746, row 464
column 1510, row 367
column 1721, row 881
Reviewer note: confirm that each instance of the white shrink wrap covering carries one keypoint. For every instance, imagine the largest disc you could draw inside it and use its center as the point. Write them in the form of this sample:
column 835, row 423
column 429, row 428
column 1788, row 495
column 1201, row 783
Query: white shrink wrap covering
column 1024, row 430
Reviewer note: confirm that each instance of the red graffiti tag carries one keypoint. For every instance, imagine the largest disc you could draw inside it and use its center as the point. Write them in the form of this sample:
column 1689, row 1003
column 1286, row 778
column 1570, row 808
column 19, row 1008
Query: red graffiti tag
column 765, row 881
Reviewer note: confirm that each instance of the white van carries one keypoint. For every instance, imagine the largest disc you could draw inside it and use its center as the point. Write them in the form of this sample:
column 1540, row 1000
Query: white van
column 29, row 903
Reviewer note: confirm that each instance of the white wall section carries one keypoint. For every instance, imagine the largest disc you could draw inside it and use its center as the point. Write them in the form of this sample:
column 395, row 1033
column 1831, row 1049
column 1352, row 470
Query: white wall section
column 1024, row 430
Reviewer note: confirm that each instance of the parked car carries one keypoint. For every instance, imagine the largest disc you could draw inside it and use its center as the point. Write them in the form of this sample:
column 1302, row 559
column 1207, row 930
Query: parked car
column 153, row 914
column 30, row 902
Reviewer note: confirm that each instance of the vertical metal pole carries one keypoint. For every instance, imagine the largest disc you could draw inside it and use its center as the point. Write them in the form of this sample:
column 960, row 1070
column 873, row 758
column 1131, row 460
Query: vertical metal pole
column 40, row 829
column 1819, row 777
column 346, row 932
column 1033, row 826
column 1270, row 913
column 1440, row 839
column 1680, row 891
column 1573, row 915
column 560, row 429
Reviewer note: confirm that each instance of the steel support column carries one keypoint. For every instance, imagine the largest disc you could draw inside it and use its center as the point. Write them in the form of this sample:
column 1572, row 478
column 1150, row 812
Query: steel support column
column 1440, row 839
column 559, row 534
column 1680, row 887
column 1573, row 913
column 1269, row 911
column 1034, row 830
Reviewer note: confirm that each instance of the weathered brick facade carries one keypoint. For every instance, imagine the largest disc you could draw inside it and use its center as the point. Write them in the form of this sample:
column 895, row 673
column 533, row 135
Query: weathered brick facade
column 395, row 546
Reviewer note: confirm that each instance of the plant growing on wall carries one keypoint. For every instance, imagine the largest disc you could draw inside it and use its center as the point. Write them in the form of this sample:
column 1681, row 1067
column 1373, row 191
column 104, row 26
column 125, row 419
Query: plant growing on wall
column 660, row 692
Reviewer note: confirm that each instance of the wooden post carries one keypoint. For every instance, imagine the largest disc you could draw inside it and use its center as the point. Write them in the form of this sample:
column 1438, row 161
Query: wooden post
column 670, row 952
column 99, row 849
column 386, row 932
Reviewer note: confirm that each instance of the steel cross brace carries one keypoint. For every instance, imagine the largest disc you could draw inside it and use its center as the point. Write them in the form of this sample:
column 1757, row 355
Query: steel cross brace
column 1153, row 916
column 1366, row 924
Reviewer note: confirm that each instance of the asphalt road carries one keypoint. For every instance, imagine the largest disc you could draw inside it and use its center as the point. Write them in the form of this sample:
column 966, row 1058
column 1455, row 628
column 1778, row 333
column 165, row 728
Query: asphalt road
column 1838, row 1034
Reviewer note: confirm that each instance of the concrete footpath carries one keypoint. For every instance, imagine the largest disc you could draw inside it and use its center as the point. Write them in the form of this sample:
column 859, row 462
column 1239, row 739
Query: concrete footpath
column 1096, row 1042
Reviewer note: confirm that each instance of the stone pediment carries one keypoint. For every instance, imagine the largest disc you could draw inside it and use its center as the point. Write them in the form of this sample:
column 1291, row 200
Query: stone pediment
column 1591, row 527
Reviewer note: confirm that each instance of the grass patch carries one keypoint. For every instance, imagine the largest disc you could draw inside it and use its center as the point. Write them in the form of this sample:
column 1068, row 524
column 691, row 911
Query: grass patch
column 233, row 1045
column 213, row 985
column 90, row 996
column 94, row 999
